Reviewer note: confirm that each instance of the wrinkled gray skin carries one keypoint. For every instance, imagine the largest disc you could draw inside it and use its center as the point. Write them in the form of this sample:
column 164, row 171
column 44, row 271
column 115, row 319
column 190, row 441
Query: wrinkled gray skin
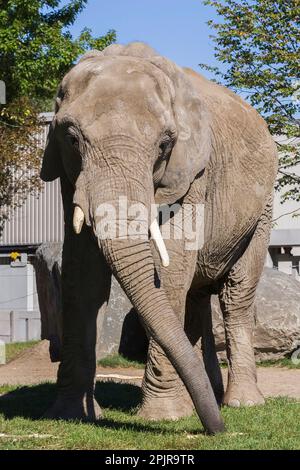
column 129, row 122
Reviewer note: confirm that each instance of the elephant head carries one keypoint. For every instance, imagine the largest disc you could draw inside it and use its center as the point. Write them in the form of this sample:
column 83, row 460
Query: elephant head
column 128, row 123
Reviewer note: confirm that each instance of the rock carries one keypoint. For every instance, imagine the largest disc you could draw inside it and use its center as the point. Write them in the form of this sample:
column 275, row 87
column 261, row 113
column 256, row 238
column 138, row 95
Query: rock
column 277, row 329
column 119, row 329
column 47, row 265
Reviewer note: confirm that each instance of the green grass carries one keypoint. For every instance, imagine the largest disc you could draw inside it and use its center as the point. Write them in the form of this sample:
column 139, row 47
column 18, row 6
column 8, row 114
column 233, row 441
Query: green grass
column 14, row 349
column 117, row 360
column 287, row 362
column 273, row 426
column 6, row 388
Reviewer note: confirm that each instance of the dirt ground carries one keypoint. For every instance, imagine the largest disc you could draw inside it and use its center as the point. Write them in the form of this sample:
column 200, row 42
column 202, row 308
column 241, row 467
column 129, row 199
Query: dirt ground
column 33, row 366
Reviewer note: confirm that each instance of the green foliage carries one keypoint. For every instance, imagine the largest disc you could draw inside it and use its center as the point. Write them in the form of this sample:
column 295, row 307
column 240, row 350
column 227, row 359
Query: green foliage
column 259, row 42
column 36, row 47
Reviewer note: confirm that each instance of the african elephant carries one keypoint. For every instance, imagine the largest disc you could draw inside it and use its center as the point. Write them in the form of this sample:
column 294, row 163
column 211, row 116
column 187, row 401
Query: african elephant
column 130, row 123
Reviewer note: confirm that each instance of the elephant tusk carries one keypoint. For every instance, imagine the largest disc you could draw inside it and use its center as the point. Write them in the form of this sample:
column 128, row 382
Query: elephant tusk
column 159, row 242
column 78, row 219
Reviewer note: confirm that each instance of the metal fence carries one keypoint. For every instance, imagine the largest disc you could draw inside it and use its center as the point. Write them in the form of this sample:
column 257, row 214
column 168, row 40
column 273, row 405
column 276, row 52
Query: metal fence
column 39, row 219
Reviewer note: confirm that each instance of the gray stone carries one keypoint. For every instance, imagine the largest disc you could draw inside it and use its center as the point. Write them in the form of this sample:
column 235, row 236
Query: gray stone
column 48, row 281
column 277, row 323
column 119, row 329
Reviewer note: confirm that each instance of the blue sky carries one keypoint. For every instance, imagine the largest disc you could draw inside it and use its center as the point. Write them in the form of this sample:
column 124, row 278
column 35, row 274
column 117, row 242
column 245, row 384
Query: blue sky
column 175, row 28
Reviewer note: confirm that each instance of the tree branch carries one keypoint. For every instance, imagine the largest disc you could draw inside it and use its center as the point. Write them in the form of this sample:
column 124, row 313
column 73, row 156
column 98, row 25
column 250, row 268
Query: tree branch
column 293, row 176
column 287, row 213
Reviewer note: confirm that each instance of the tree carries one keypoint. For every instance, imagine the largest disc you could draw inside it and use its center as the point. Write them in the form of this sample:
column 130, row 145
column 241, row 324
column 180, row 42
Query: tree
column 36, row 47
column 259, row 43
column 36, row 50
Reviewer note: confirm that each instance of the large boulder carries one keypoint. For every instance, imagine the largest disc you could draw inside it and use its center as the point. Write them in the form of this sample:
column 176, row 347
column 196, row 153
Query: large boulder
column 47, row 265
column 277, row 319
column 277, row 330
column 119, row 329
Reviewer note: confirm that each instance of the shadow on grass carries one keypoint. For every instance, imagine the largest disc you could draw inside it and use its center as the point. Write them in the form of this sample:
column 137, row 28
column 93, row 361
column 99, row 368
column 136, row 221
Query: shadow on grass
column 27, row 402
column 118, row 396
column 32, row 402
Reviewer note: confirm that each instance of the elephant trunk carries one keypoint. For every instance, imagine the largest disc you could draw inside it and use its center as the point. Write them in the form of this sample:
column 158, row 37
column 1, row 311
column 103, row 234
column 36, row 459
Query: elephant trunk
column 132, row 264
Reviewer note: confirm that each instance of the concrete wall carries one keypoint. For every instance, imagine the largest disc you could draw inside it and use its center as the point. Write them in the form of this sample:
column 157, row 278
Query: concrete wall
column 19, row 326
column 18, row 288
column 19, row 310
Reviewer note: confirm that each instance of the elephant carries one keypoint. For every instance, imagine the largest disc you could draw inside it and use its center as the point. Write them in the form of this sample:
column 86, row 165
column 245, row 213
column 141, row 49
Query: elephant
column 132, row 124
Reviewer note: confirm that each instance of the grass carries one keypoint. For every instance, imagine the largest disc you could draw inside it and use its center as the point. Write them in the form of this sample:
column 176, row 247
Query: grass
column 15, row 349
column 273, row 426
column 117, row 360
column 286, row 362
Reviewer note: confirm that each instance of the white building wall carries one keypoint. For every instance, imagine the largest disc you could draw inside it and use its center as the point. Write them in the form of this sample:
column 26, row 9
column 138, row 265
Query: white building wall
column 287, row 215
column 285, row 237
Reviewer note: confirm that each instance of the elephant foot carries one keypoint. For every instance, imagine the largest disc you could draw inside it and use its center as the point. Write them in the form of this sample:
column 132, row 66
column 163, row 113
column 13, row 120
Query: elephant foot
column 85, row 409
column 166, row 407
column 243, row 394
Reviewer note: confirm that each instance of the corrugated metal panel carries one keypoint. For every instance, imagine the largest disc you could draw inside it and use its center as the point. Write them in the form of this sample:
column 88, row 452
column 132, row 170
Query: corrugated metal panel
column 40, row 219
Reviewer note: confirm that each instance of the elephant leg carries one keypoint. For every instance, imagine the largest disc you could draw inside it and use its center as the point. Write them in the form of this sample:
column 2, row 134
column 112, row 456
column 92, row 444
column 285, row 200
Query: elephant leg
column 85, row 291
column 164, row 395
column 198, row 325
column 237, row 299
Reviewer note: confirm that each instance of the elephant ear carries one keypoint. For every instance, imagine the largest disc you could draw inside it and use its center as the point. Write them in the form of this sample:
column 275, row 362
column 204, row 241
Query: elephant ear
column 192, row 150
column 52, row 167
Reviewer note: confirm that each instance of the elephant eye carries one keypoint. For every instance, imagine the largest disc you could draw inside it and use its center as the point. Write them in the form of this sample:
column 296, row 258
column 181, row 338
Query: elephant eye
column 163, row 146
column 166, row 145
column 73, row 141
